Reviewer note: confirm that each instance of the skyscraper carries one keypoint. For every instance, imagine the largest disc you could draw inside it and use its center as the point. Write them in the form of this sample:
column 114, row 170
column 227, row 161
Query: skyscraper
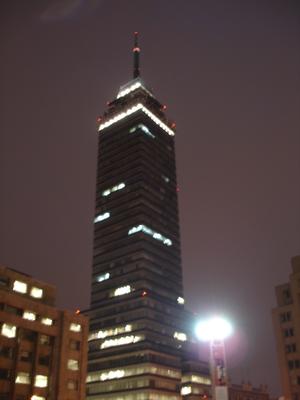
column 286, row 322
column 138, row 324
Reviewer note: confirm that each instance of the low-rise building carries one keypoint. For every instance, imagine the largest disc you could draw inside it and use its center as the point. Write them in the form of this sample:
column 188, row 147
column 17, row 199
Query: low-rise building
column 245, row 391
column 43, row 350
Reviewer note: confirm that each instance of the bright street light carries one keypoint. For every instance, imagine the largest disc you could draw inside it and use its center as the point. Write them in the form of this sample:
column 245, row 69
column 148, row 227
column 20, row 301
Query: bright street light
column 214, row 331
column 215, row 328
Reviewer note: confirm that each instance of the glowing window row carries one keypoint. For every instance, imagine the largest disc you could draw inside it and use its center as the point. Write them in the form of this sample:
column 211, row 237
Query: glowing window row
column 132, row 371
column 122, row 290
column 149, row 231
column 196, row 379
column 110, row 332
column 121, row 341
column 40, row 381
column 131, row 111
column 186, row 390
column 103, row 277
column 143, row 128
column 101, row 217
column 10, row 330
column 22, row 287
column 115, row 188
column 180, row 336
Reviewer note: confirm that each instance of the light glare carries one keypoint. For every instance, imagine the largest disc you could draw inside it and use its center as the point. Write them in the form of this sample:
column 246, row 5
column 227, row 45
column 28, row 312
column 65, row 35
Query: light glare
column 216, row 328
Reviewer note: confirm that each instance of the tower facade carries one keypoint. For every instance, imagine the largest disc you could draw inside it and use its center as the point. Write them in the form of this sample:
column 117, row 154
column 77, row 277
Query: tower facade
column 137, row 321
column 286, row 322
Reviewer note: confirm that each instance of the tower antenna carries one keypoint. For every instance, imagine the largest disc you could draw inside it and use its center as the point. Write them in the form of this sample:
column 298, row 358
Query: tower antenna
column 136, row 57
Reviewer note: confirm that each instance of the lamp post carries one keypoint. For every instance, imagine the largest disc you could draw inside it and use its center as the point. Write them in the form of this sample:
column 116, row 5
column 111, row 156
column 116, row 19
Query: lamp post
column 214, row 331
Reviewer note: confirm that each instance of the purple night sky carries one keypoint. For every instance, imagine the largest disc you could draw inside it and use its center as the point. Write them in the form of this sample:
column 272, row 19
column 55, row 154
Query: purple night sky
column 229, row 74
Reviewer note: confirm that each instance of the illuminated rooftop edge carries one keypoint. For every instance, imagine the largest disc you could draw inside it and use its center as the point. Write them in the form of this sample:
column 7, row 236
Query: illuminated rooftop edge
column 132, row 110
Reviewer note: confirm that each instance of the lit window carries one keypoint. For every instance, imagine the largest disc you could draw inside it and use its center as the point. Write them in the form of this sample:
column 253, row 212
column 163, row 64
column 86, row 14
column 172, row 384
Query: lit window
column 115, row 188
column 180, row 300
column 35, row 397
column 23, row 377
column 132, row 110
column 8, row 330
column 122, row 290
column 143, row 128
column 101, row 217
column 36, row 292
column 121, row 341
column 47, row 321
column 75, row 327
column 44, row 339
column 73, row 365
column 20, row 287
column 180, row 336
column 72, row 384
column 165, row 178
column 150, row 232
column 110, row 332
column 31, row 316
column 103, row 277
column 186, row 390
column 41, row 381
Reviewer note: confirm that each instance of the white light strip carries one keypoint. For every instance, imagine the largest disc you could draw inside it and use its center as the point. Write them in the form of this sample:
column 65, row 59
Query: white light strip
column 107, row 192
column 101, row 217
column 129, row 89
column 148, row 231
column 132, row 110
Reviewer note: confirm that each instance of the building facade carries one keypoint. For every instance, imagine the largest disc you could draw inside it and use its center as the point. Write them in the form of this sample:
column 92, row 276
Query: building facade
column 43, row 350
column 245, row 391
column 286, row 322
column 139, row 346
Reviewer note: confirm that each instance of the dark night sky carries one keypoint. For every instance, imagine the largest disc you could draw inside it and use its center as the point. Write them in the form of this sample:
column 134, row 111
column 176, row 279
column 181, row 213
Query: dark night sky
column 228, row 71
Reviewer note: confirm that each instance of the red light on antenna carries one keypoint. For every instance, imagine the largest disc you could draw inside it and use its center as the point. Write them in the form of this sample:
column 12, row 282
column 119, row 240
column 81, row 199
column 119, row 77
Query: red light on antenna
column 177, row 189
column 144, row 293
column 99, row 119
column 164, row 107
column 136, row 33
column 173, row 125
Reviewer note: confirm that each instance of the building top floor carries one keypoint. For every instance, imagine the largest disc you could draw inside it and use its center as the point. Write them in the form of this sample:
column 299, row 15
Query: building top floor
column 26, row 286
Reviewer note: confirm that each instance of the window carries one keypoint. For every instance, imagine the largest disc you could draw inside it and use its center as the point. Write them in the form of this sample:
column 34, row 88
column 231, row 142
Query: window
column 44, row 339
column 285, row 317
column 47, row 321
column 101, row 217
column 23, row 377
column 25, row 356
column 36, row 292
column 73, row 365
column 30, row 315
column 4, row 373
column 103, row 277
column 75, row 327
column 107, row 192
column 6, row 351
column 74, row 344
column 20, row 287
column 122, row 290
column 150, row 232
column 35, row 397
column 4, row 281
column 9, row 330
column 44, row 360
column 291, row 348
column 288, row 332
column 72, row 384
column 180, row 336
column 41, row 381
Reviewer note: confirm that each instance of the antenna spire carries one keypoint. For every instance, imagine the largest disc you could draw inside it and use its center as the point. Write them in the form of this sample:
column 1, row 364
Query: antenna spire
column 136, row 57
